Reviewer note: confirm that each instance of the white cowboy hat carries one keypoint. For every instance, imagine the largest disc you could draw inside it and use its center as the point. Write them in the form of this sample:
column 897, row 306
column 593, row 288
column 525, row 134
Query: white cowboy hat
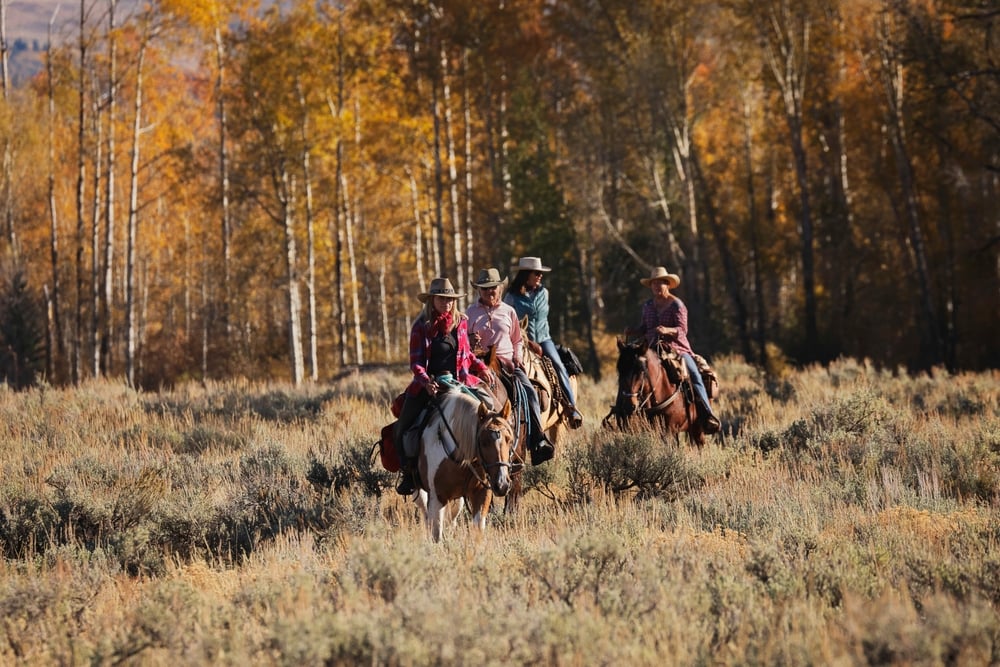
column 660, row 273
column 529, row 264
column 488, row 278
column 440, row 287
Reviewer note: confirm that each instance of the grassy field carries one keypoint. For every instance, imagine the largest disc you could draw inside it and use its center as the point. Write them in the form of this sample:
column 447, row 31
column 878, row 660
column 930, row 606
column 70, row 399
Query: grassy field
column 847, row 516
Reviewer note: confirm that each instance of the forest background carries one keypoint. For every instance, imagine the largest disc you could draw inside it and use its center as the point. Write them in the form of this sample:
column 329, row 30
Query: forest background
column 198, row 189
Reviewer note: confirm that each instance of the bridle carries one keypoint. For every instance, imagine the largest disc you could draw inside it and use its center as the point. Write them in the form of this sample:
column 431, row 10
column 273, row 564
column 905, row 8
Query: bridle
column 644, row 394
column 496, row 426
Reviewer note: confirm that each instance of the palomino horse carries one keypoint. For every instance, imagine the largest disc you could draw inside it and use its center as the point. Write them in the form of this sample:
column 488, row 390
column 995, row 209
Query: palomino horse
column 464, row 457
column 553, row 407
column 645, row 388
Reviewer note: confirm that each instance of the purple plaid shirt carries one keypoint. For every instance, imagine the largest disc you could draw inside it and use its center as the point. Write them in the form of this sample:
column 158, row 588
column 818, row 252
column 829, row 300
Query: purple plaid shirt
column 674, row 315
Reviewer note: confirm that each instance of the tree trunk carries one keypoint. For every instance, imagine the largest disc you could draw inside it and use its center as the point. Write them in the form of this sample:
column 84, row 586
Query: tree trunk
column 110, row 197
column 754, row 235
column 223, row 180
column 786, row 51
column 292, row 282
column 352, row 267
column 418, row 236
column 449, row 134
column 8, row 149
column 131, row 245
column 893, row 78
column 470, row 259
column 57, row 349
column 438, row 182
column 383, row 299
column 312, row 354
column 81, row 178
column 4, row 51
column 95, row 248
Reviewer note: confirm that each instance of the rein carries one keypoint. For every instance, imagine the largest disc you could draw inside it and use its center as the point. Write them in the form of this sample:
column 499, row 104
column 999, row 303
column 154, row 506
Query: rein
column 648, row 382
column 490, row 416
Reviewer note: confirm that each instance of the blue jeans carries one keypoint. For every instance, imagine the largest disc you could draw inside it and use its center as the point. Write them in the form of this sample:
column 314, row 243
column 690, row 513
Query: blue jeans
column 549, row 348
column 696, row 382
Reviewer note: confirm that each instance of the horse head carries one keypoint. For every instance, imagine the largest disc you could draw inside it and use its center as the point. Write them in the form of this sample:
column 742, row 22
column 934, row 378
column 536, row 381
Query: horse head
column 494, row 442
column 633, row 378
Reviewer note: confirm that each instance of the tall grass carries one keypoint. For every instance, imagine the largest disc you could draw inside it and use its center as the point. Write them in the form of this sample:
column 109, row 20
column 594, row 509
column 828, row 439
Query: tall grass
column 846, row 515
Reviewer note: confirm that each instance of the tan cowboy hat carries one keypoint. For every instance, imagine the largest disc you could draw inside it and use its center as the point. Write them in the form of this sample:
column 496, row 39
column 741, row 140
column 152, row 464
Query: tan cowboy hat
column 529, row 264
column 660, row 273
column 488, row 278
column 440, row 287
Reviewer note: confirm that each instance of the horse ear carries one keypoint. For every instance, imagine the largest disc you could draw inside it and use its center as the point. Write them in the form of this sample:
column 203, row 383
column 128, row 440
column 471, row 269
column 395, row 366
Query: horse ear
column 505, row 413
column 643, row 346
column 482, row 411
column 524, row 322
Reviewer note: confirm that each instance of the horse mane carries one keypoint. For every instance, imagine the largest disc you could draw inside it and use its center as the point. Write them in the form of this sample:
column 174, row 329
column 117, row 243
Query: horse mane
column 461, row 412
column 629, row 356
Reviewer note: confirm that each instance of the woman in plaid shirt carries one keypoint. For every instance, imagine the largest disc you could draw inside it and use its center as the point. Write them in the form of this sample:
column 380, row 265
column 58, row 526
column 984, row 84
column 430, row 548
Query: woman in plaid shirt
column 665, row 322
column 439, row 346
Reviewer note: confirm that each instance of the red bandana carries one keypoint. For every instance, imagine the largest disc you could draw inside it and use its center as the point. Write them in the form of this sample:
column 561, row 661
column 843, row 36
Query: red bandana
column 441, row 324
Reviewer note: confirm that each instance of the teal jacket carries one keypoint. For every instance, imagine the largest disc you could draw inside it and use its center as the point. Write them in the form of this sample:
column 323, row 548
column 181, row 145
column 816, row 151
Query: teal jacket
column 536, row 306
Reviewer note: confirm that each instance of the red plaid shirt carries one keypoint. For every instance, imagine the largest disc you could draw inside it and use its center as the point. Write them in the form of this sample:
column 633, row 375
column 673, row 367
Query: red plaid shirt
column 420, row 352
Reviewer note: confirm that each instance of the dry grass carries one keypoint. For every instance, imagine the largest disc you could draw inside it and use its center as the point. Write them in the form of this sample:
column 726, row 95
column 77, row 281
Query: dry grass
column 848, row 515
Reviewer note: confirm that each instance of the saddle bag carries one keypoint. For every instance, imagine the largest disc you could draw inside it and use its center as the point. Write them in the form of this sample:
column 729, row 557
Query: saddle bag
column 387, row 449
column 708, row 376
column 570, row 360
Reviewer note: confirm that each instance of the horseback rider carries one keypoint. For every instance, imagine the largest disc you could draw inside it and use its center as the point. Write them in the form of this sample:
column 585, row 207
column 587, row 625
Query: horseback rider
column 665, row 322
column 530, row 298
column 439, row 346
column 493, row 323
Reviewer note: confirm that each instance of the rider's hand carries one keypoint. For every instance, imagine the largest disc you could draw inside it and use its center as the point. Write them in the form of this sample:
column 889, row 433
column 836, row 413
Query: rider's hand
column 535, row 347
column 433, row 388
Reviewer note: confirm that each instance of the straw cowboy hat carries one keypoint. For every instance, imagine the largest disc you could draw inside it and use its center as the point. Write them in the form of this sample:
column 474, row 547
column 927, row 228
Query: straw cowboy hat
column 660, row 273
column 440, row 287
column 488, row 278
column 529, row 264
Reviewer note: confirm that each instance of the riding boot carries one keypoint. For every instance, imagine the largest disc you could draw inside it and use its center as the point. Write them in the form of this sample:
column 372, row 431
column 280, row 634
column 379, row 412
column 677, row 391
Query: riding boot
column 710, row 424
column 575, row 418
column 408, row 476
column 541, row 449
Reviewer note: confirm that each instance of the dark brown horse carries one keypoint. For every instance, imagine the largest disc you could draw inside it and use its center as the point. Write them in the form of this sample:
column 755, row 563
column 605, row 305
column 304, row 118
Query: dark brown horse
column 646, row 391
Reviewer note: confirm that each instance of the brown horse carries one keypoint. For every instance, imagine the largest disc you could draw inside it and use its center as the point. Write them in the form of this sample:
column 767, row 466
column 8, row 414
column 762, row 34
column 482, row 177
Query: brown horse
column 465, row 457
column 645, row 389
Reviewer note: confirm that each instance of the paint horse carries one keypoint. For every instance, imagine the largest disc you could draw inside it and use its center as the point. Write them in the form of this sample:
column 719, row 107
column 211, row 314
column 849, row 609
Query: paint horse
column 465, row 457
column 646, row 390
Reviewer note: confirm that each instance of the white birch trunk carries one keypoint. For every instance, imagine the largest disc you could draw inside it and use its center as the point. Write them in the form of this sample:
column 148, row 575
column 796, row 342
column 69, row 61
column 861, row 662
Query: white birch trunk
column 449, row 135
column 131, row 318
column 418, row 236
column 352, row 268
column 110, row 196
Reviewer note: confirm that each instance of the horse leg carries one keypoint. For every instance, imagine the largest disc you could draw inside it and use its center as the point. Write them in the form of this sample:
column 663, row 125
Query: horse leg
column 420, row 500
column 435, row 516
column 479, row 503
